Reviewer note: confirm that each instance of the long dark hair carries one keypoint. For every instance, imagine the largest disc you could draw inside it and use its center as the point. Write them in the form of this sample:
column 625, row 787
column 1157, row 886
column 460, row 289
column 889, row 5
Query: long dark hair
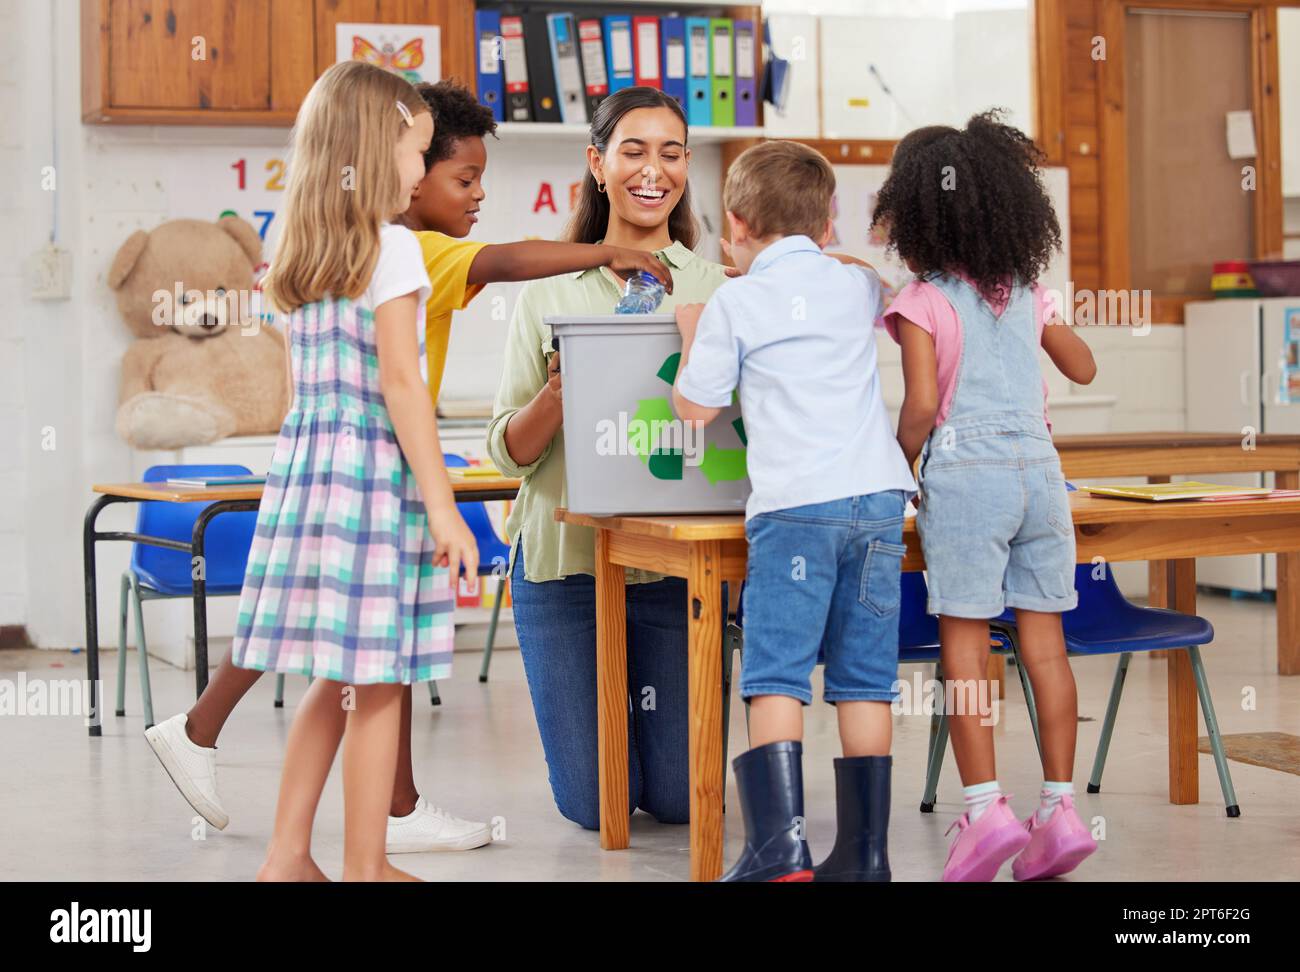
column 994, row 221
column 590, row 219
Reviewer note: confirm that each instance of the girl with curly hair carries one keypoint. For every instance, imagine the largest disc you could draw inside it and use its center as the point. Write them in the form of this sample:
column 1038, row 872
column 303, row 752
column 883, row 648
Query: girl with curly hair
column 967, row 211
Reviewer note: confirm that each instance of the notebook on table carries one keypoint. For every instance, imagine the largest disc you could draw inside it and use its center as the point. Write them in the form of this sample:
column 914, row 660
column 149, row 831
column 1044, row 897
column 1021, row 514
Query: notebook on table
column 204, row 482
column 1166, row 492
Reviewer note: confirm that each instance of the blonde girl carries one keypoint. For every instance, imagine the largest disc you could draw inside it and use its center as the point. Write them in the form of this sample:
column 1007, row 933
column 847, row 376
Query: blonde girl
column 358, row 535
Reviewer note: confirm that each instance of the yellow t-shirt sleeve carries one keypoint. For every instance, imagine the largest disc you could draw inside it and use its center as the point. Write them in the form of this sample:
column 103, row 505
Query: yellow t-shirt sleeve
column 447, row 261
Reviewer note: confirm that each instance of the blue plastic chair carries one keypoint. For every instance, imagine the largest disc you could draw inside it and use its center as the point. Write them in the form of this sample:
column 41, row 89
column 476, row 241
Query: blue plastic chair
column 918, row 641
column 493, row 558
column 1105, row 622
column 156, row 573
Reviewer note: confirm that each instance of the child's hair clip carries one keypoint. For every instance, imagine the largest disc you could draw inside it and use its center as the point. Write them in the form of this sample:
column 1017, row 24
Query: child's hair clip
column 406, row 114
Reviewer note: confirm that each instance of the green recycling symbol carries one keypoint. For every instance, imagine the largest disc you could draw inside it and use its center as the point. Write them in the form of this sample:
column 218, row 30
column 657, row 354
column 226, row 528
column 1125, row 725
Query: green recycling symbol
column 654, row 414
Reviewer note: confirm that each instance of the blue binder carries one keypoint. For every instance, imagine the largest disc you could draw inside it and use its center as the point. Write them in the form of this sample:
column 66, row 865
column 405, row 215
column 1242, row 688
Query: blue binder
column 490, row 77
column 699, row 72
column 568, row 70
column 672, row 57
column 618, row 52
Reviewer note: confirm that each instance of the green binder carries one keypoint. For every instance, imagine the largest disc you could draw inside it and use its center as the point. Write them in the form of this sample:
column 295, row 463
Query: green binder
column 724, row 72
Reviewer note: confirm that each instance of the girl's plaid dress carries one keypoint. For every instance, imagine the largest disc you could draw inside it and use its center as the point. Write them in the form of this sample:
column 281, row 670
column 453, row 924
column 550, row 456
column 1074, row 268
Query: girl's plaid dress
column 341, row 582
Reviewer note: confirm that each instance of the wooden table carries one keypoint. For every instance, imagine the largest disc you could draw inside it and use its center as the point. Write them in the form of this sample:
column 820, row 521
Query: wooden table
column 1157, row 456
column 707, row 550
column 223, row 499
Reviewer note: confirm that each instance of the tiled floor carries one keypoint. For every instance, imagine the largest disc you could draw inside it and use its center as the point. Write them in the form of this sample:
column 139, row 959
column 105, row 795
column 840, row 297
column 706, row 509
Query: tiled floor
column 72, row 807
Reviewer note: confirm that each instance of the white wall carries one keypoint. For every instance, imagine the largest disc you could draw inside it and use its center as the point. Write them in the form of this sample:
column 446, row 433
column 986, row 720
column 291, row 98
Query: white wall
column 14, row 205
column 45, row 423
column 943, row 61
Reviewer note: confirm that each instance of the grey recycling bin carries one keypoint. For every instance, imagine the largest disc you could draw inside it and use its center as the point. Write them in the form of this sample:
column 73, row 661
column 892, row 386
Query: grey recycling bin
column 625, row 451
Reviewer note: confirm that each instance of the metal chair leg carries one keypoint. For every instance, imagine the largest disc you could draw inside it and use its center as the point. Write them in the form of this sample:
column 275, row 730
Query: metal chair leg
column 938, row 744
column 142, row 644
column 434, row 697
column 731, row 642
column 121, row 644
column 1108, row 725
column 1212, row 729
column 1029, row 697
column 492, row 629
column 279, row 691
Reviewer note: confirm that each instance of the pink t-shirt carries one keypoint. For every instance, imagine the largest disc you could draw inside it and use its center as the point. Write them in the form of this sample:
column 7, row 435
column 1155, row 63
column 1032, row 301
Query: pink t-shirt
column 924, row 304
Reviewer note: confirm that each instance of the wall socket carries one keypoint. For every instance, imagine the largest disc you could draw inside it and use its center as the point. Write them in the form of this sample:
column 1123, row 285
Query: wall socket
column 49, row 273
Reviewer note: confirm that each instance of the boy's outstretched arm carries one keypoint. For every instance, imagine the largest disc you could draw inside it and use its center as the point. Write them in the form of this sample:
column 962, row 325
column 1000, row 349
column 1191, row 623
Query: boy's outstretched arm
column 535, row 259
column 1069, row 352
column 921, row 383
column 688, row 318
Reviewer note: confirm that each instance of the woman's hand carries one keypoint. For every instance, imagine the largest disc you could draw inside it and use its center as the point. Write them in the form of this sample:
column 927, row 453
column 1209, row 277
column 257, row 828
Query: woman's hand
column 625, row 262
column 553, row 378
column 454, row 543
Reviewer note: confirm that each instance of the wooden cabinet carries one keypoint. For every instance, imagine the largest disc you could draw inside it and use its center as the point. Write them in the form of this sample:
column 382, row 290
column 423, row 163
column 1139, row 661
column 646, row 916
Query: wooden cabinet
column 251, row 62
column 189, row 55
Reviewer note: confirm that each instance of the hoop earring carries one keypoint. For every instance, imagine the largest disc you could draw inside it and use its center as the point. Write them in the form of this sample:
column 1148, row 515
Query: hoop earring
column 600, row 187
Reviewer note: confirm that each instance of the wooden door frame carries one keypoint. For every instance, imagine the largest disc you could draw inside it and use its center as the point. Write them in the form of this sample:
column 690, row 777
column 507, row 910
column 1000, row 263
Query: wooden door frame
column 1116, row 256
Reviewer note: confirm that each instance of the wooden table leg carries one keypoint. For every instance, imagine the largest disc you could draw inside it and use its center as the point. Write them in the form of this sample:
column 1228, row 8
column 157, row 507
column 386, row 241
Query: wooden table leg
column 704, row 606
column 996, row 674
column 1157, row 579
column 611, row 695
column 1288, row 597
column 1184, row 784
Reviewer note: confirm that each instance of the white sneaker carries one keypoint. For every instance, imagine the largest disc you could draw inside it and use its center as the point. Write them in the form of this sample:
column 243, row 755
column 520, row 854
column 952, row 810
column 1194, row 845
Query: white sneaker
column 192, row 768
column 429, row 828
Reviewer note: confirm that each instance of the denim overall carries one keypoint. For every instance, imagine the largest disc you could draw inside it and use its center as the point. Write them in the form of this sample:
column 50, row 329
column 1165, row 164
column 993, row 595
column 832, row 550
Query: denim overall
column 995, row 516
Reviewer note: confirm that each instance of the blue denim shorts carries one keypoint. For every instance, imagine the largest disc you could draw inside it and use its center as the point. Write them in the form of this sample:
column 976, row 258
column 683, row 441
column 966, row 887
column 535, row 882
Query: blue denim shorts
column 823, row 585
column 995, row 526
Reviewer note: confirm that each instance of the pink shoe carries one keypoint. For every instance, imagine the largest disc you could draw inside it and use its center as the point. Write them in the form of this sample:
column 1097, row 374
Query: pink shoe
column 982, row 847
column 1056, row 847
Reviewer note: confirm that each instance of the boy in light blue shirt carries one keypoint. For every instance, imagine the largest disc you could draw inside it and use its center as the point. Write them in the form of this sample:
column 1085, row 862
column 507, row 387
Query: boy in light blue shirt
column 796, row 335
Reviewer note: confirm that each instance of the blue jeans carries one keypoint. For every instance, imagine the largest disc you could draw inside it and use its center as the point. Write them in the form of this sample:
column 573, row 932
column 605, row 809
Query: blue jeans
column 556, row 624
column 824, row 584
column 995, row 522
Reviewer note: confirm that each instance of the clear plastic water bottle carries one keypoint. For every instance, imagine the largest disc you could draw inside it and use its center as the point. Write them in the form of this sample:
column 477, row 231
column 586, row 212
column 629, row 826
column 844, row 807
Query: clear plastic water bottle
column 642, row 294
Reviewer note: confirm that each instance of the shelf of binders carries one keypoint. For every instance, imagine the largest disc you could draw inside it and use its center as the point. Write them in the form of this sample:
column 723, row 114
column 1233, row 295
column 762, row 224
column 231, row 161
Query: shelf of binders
column 699, row 134
column 545, row 68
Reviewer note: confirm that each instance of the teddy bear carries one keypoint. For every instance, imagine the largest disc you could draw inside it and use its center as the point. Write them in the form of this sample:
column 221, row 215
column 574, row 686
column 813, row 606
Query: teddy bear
column 205, row 364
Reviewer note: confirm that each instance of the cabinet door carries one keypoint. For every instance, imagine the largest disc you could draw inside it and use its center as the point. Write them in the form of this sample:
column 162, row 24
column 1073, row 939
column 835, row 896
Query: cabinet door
column 189, row 54
column 454, row 17
column 1222, row 366
column 293, row 59
column 1222, row 355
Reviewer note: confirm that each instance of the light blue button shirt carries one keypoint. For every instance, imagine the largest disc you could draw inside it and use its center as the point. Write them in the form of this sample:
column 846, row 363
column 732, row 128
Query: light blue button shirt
column 796, row 335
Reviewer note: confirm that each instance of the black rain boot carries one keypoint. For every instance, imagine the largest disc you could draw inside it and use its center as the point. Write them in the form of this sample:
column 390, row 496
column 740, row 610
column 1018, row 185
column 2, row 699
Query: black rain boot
column 770, row 782
column 861, row 821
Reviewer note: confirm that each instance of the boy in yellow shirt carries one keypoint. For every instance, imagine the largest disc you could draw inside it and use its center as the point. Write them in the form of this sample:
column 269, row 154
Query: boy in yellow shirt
column 444, row 208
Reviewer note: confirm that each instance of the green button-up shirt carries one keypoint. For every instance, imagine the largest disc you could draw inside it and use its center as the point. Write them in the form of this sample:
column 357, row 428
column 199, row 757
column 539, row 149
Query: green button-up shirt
column 556, row 550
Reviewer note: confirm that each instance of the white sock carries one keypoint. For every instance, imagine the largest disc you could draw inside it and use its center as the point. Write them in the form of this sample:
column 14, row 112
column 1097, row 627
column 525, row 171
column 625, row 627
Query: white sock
column 980, row 797
column 1049, row 798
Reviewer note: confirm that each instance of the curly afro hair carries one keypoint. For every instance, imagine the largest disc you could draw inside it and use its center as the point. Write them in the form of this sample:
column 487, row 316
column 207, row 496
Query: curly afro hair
column 456, row 114
column 970, row 201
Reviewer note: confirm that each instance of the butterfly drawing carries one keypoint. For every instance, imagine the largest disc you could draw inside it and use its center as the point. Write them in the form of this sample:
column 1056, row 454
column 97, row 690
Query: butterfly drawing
column 405, row 60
